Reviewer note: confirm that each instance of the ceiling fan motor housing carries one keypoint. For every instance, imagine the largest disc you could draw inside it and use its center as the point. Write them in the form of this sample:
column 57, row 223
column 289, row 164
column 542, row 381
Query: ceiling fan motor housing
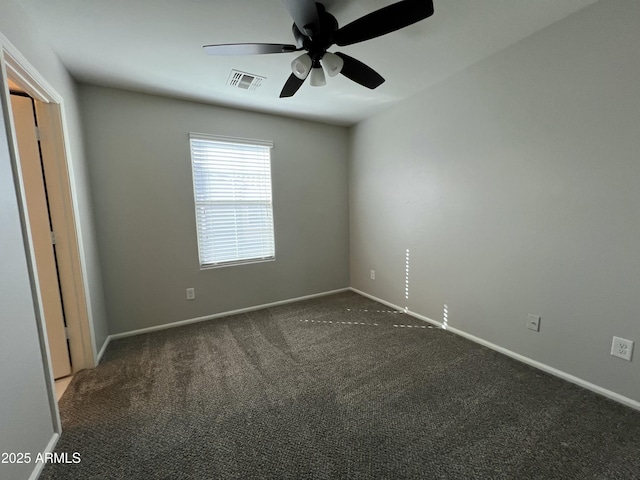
column 318, row 43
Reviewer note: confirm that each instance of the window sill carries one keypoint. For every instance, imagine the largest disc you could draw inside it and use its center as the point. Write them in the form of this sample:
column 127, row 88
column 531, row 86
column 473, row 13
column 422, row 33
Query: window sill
column 236, row 264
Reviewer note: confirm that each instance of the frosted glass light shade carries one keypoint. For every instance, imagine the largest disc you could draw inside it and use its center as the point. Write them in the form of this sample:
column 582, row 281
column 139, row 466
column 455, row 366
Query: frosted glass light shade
column 332, row 63
column 317, row 77
column 301, row 66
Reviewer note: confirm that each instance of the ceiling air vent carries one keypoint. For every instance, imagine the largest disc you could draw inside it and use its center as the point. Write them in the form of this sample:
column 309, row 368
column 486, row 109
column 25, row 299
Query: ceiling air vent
column 245, row 81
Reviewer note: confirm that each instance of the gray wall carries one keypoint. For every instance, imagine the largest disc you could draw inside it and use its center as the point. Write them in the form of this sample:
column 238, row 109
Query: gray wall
column 140, row 166
column 26, row 423
column 15, row 25
column 515, row 185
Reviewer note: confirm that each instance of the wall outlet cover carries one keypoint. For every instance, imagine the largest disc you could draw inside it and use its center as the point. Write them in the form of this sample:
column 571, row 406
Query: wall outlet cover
column 622, row 348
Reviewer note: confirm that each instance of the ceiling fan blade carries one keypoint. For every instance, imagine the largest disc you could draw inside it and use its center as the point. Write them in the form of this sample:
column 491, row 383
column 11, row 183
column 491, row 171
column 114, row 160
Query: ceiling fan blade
column 291, row 87
column 248, row 48
column 360, row 73
column 304, row 14
column 386, row 20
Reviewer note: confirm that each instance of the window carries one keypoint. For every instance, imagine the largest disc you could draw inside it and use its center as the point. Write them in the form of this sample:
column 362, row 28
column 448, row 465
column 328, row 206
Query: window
column 232, row 191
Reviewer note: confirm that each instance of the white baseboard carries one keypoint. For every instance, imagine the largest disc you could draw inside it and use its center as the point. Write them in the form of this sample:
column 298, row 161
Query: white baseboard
column 521, row 358
column 218, row 315
column 103, row 349
column 37, row 470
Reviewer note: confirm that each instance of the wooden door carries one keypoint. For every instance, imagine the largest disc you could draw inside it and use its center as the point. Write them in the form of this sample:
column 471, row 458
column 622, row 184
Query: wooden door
column 41, row 232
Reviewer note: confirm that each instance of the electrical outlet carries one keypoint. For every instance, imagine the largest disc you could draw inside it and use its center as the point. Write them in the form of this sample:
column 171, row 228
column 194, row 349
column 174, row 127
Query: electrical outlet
column 533, row 322
column 191, row 293
column 622, row 348
column 373, row 274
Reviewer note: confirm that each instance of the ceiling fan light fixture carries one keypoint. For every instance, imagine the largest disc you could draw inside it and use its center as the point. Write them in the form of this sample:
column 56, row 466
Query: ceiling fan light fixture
column 301, row 66
column 332, row 63
column 317, row 77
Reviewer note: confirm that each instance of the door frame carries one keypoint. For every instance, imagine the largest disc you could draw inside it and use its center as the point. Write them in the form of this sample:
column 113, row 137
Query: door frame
column 64, row 212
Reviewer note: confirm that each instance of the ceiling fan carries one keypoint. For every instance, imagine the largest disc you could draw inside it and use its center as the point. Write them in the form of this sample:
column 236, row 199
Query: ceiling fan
column 316, row 30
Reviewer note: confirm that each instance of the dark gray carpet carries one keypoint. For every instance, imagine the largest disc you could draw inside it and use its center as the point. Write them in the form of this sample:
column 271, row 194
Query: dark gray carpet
column 298, row 392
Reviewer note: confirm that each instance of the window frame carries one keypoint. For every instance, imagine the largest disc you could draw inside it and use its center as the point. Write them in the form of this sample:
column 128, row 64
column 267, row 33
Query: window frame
column 233, row 141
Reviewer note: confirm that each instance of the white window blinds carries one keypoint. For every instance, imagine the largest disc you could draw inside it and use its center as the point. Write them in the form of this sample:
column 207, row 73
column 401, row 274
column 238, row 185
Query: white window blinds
column 232, row 190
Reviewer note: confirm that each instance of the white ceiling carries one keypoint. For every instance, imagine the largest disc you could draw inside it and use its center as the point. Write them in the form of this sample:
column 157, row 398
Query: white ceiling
column 155, row 46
